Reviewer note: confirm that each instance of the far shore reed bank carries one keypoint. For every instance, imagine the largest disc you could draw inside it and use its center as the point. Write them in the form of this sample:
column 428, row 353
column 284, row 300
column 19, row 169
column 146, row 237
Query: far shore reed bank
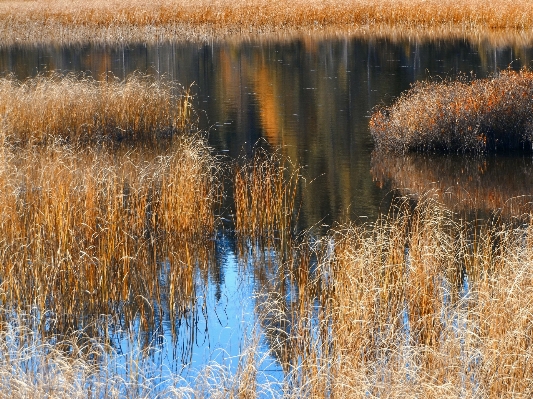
column 112, row 22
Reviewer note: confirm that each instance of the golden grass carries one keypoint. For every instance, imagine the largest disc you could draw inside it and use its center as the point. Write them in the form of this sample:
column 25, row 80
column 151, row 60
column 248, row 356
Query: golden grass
column 90, row 231
column 478, row 116
column 120, row 22
column 264, row 193
column 35, row 367
column 79, row 109
column 416, row 305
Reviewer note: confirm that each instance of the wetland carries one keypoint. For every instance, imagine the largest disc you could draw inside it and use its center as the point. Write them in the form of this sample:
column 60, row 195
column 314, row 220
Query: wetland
column 191, row 219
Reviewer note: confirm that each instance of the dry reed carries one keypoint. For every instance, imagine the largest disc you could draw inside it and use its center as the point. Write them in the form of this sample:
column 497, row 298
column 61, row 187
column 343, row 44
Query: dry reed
column 81, row 109
column 416, row 305
column 87, row 231
column 121, row 22
column 480, row 115
column 264, row 194
column 35, row 367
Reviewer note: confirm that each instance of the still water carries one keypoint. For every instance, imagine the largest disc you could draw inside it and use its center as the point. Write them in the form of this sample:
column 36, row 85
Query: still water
column 312, row 97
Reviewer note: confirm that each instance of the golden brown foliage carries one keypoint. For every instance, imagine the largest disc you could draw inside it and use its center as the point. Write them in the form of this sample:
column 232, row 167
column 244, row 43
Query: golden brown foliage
column 80, row 109
column 134, row 20
column 480, row 115
column 264, row 193
column 416, row 305
column 89, row 231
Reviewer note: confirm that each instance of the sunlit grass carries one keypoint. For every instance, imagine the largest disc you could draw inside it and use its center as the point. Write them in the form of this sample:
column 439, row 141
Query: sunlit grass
column 90, row 231
column 78, row 109
column 418, row 304
column 265, row 194
column 492, row 114
column 136, row 21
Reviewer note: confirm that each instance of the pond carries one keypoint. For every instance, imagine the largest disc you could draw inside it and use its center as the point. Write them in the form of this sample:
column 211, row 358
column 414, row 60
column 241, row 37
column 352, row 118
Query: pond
column 312, row 98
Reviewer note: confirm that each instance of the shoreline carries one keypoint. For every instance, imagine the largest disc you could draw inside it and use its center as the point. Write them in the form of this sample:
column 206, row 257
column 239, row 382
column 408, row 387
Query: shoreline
column 98, row 22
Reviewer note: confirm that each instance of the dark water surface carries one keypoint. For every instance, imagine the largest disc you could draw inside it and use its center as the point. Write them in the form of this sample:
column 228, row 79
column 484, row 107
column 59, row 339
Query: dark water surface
column 312, row 97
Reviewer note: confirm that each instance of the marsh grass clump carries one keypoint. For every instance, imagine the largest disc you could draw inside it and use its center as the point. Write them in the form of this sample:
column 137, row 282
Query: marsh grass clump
column 81, row 109
column 417, row 304
column 92, row 231
column 265, row 193
column 481, row 115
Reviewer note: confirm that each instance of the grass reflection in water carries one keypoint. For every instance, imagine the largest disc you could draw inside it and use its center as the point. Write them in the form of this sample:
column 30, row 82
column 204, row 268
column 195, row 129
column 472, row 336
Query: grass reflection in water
column 417, row 303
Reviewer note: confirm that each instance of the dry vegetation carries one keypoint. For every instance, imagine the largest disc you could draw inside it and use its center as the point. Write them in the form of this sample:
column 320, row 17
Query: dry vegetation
column 476, row 116
column 119, row 22
column 33, row 367
column 418, row 304
column 81, row 109
column 108, row 202
column 87, row 232
column 264, row 194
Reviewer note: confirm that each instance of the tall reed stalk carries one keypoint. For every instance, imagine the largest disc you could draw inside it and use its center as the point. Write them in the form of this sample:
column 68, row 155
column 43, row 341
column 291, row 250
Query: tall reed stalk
column 417, row 304
column 264, row 191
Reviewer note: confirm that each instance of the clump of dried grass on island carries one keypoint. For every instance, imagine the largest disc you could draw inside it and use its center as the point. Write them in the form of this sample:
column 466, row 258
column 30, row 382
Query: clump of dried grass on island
column 463, row 115
column 81, row 109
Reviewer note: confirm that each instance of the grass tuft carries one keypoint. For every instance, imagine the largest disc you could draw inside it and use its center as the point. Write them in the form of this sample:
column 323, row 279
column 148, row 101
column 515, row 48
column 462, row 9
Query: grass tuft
column 481, row 115
column 265, row 192
column 80, row 109
column 89, row 231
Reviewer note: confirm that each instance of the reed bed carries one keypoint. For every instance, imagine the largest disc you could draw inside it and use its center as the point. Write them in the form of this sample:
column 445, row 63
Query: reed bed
column 80, row 109
column 480, row 115
column 88, row 231
column 264, row 192
column 419, row 304
column 119, row 22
